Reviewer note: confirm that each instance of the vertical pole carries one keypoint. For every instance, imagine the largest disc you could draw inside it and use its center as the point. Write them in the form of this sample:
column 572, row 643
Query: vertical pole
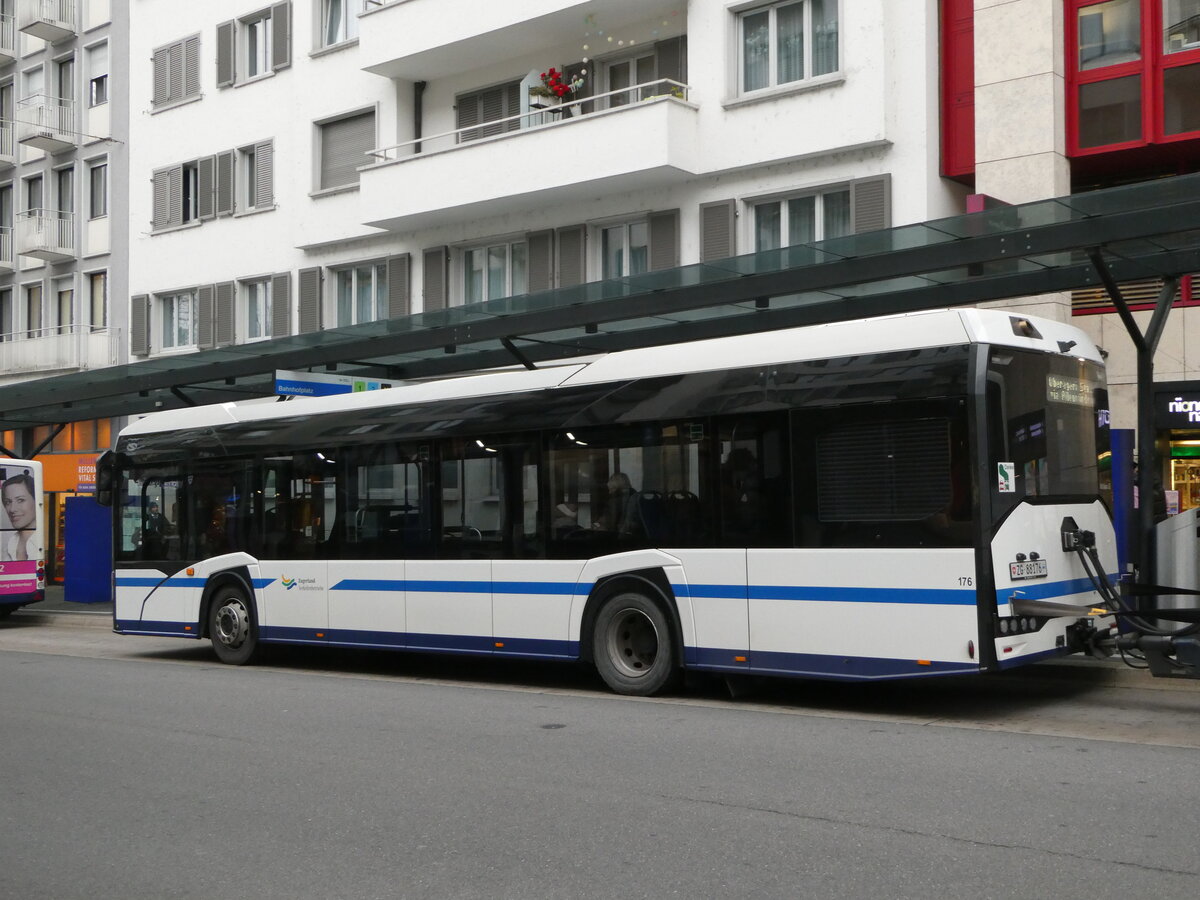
column 1122, row 485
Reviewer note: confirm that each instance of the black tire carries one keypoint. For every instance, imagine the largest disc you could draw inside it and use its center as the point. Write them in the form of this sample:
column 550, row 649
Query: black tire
column 232, row 627
column 633, row 645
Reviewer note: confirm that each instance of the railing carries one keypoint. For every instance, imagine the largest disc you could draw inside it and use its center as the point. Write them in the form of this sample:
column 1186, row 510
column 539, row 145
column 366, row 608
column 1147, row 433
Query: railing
column 60, row 13
column 6, row 247
column 59, row 347
column 554, row 113
column 6, row 141
column 41, row 113
column 46, row 231
column 8, row 35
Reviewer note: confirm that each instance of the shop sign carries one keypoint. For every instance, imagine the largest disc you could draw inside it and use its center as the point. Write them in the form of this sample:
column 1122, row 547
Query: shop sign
column 85, row 475
column 69, row 472
column 1178, row 410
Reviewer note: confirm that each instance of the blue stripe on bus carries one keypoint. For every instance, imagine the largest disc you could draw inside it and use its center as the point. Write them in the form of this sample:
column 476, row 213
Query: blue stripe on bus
column 455, row 587
column 827, row 594
column 838, row 667
column 440, row 643
column 129, row 581
column 162, row 629
column 1045, row 590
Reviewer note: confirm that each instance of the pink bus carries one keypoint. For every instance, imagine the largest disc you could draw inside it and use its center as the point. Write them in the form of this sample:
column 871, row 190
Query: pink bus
column 22, row 539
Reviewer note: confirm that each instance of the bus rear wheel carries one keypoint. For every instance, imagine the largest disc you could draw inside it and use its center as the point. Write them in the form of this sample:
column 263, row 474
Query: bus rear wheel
column 632, row 645
column 231, row 627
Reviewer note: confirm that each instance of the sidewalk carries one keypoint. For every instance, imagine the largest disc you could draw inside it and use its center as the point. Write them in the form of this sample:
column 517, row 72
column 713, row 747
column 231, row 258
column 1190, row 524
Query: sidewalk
column 56, row 602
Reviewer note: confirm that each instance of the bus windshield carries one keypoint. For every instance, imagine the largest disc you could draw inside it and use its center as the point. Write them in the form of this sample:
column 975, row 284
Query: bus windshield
column 1048, row 424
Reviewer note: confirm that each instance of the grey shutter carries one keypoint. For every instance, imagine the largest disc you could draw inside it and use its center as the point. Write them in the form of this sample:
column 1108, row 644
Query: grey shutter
column 491, row 108
column 344, row 146
column 871, row 203
column 225, row 54
column 223, row 184
column 224, row 313
column 664, row 240
column 175, row 65
column 175, row 196
column 191, row 67
column 541, row 260
column 466, row 114
column 204, row 187
column 281, row 35
column 281, row 304
column 399, row 281
column 310, row 300
column 436, row 265
column 512, row 105
column 264, row 174
column 670, row 61
column 204, row 317
column 162, row 76
column 139, row 325
column 572, row 264
column 162, row 200
column 717, row 221
column 570, row 73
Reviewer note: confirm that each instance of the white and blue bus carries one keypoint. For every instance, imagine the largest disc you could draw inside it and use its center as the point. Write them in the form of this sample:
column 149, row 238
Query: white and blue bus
column 863, row 500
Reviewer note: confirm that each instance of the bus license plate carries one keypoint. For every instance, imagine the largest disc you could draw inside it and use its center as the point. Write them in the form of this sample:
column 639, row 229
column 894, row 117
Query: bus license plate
column 1034, row 568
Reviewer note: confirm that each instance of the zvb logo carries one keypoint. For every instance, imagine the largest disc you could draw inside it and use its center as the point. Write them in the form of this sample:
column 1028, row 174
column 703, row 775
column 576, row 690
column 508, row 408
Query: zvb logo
column 289, row 583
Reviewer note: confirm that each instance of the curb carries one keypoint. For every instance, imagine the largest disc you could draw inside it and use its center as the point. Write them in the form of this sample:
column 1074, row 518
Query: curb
column 64, row 617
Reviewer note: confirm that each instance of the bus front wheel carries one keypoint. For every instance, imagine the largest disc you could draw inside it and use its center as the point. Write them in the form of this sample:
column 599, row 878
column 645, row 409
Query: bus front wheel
column 231, row 627
column 632, row 645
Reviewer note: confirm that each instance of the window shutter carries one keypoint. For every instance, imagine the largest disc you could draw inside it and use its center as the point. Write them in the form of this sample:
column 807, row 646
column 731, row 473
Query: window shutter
column 225, row 50
column 204, row 187
column 223, row 204
column 344, row 145
column 466, row 114
column 175, row 66
column 491, row 108
column 139, row 325
column 281, row 35
column 224, row 312
column 162, row 200
column 670, row 61
column 162, row 76
column 399, row 285
column 175, row 196
column 871, row 203
column 281, row 304
column 264, row 174
column 572, row 264
column 191, row 66
column 664, row 240
column 204, row 317
column 512, row 105
column 310, row 300
column 541, row 260
column 717, row 230
column 436, row 264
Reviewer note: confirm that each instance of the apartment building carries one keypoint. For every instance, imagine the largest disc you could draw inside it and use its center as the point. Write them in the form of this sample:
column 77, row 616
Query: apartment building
column 63, row 243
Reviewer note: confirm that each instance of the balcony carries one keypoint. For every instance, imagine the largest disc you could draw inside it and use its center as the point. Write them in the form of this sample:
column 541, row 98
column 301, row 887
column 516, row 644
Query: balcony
column 64, row 348
column 8, row 155
column 46, row 234
column 420, row 40
column 8, row 40
column 562, row 154
column 7, row 259
column 47, row 123
column 50, row 20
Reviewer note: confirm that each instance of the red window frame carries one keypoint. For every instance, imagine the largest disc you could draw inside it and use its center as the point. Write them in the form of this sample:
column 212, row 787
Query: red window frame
column 1150, row 68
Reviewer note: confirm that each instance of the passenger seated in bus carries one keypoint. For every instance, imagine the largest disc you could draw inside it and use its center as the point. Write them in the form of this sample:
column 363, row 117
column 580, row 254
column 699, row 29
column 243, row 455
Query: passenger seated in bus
column 566, row 519
column 621, row 514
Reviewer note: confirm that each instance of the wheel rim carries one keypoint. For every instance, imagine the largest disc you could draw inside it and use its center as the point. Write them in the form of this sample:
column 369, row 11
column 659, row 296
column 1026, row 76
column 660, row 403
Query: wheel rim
column 232, row 625
column 632, row 642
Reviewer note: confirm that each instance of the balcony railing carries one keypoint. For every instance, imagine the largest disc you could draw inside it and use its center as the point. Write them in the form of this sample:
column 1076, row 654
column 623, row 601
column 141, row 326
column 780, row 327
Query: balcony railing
column 8, row 40
column 551, row 114
column 8, row 156
column 64, row 347
column 46, row 234
column 7, row 260
column 50, row 20
column 47, row 123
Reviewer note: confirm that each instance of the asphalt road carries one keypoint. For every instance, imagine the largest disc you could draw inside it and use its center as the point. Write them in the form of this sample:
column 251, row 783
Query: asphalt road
column 141, row 768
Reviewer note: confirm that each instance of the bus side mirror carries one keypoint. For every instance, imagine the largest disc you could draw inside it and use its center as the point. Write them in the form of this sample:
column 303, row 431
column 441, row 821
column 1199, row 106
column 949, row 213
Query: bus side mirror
column 106, row 467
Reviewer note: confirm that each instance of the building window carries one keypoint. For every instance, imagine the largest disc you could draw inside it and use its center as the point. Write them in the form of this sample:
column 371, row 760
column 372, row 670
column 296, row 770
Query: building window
column 65, row 78
column 33, row 193
column 97, row 190
column 801, row 220
column 625, row 250
column 64, row 307
column 786, row 43
column 498, row 270
column 98, row 291
column 176, row 72
column 628, row 73
column 178, row 320
column 362, row 294
column 65, row 179
column 256, row 303
column 339, row 21
column 344, row 144
column 190, row 197
column 255, row 45
column 33, row 310
column 97, row 65
column 7, row 325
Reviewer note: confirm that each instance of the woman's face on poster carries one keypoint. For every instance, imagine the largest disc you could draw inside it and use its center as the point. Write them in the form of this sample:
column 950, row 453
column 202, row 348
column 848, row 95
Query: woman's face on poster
column 18, row 504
